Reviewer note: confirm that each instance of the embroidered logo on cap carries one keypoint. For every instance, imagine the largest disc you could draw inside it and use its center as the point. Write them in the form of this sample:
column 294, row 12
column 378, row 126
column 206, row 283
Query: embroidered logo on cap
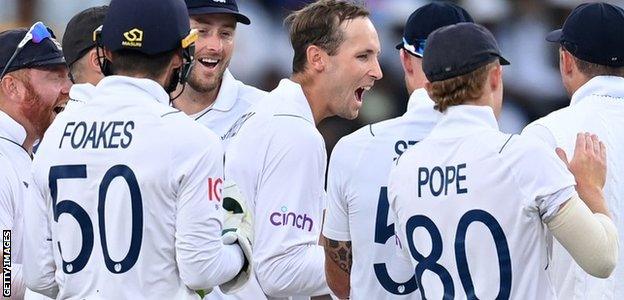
column 134, row 38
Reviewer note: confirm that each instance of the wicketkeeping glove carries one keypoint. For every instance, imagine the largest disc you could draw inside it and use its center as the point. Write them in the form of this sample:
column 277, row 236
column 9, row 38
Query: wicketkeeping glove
column 237, row 228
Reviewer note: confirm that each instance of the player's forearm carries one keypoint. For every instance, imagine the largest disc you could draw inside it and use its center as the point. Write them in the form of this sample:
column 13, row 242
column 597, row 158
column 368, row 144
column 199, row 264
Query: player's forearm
column 594, row 199
column 338, row 261
column 208, row 268
column 18, row 288
column 300, row 271
column 39, row 281
column 591, row 239
column 38, row 264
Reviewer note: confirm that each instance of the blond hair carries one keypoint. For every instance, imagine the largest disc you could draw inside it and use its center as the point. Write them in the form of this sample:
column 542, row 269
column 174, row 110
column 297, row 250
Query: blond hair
column 460, row 89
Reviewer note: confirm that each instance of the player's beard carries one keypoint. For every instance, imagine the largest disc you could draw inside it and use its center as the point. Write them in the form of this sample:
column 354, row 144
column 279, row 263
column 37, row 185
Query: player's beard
column 39, row 113
column 204, row 85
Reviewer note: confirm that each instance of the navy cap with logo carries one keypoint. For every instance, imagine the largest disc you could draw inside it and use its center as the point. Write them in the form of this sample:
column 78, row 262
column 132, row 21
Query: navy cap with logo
column 78, row 36
column 39, row 51
column 425, row 20
column 147, row 26
column 201, row 7
column 459, row 49
column 594, row 33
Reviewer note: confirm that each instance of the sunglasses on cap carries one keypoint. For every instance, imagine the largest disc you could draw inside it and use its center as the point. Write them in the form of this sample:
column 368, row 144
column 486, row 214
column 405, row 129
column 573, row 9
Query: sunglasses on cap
column 37, row 33
column 417, row 49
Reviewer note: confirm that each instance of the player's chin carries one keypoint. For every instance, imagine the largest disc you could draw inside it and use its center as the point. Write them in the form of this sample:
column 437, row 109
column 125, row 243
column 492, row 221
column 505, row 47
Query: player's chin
column 349, row 114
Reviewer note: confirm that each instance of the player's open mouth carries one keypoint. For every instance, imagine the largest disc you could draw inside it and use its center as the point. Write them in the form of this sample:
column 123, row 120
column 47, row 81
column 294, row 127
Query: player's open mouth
column 359, row 93
column 58, row 109
column 210, row 63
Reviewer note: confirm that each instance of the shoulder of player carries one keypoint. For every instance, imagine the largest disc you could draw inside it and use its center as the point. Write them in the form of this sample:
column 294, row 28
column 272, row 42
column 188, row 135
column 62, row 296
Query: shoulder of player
column 522, row 147
column 249, row 94
column 293, row 131
column 567, row 114
column 186, row 131
column 8, row 176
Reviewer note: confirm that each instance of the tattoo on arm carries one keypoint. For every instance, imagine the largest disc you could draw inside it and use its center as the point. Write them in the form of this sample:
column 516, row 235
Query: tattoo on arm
column 340, row 253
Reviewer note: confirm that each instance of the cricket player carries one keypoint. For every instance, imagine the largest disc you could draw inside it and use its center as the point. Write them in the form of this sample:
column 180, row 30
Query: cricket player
column 81, row 54
column 213, row 96
column 591, row 60
column 33, row 89
column 277, row 156
column 124, row 201
column 357, row 218
column 475, row 206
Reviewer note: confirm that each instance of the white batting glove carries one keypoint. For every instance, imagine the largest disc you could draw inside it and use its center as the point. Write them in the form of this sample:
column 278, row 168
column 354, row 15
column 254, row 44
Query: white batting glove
column 237, row 228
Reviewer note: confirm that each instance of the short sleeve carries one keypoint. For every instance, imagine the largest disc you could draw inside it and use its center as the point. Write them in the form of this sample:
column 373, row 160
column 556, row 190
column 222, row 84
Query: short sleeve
column 542, row 176
column 336, row 225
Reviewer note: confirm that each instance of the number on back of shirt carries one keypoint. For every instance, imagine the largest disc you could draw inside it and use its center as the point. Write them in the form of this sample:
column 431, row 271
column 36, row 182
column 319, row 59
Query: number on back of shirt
column 383, row 233
column 430, row 262
column 69, row 206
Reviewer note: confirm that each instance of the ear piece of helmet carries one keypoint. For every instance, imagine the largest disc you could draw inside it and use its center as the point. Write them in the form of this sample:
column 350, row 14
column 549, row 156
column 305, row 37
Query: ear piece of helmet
column 105, row 64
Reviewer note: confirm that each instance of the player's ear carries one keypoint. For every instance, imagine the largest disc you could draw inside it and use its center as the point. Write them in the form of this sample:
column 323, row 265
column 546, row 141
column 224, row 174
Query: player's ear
column 406, row 62
column 316, row 58
column 566, row 61
column 92, row 61
column 12, row 87
column 496, row 77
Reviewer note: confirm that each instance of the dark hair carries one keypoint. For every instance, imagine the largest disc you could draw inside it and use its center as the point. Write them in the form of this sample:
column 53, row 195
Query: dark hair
column 134, row 62
column 319, row 24
column 592, row 70
column 460, row 89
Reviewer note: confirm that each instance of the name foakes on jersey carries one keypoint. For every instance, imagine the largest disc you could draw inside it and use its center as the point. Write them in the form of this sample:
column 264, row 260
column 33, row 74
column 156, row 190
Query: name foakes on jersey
column 105, row 135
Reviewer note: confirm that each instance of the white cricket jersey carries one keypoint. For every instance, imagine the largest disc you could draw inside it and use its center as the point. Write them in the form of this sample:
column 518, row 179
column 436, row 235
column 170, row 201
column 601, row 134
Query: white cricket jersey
column 233, row 100
column 596, row 107
column 125, row 204
column 79, row 94
column 357, row 206
column 15, row 179
column 278, row 160
column 471, row 205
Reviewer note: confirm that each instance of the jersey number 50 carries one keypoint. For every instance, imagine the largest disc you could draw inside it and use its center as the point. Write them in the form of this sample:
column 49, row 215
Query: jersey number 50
column 383, row 232
column 86, row 226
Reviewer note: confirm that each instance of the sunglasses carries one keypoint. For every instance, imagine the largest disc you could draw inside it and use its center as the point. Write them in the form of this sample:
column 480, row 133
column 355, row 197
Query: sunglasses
column 417, row 49
column 37, row 33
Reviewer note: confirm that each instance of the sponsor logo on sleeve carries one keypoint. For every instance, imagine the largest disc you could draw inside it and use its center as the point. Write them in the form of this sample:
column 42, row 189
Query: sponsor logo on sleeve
column 214, row 189
column 285, row 218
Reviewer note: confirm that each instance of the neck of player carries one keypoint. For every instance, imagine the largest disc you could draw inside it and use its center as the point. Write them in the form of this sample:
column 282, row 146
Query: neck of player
column 315, row 95
column 192, row 101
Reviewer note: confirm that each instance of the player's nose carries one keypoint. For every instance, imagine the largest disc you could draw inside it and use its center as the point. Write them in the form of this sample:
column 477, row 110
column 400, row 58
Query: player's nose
column 376, row 72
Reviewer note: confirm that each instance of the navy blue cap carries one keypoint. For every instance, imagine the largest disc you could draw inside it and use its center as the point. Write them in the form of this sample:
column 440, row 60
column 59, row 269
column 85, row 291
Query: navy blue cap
column 148, row 26
column 459, row 49
column 78, row 37
column 48, row 52
column 426, row 19
column 593, row 32
column 201, row 7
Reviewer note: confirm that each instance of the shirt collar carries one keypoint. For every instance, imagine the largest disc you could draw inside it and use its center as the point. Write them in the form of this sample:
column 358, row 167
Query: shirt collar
column 228, row 92
column 461, row 120
column 298, row 103
column 81, row 92
column 119, row 84
column 11, row 130
column 418, row 100
column 610, row 86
